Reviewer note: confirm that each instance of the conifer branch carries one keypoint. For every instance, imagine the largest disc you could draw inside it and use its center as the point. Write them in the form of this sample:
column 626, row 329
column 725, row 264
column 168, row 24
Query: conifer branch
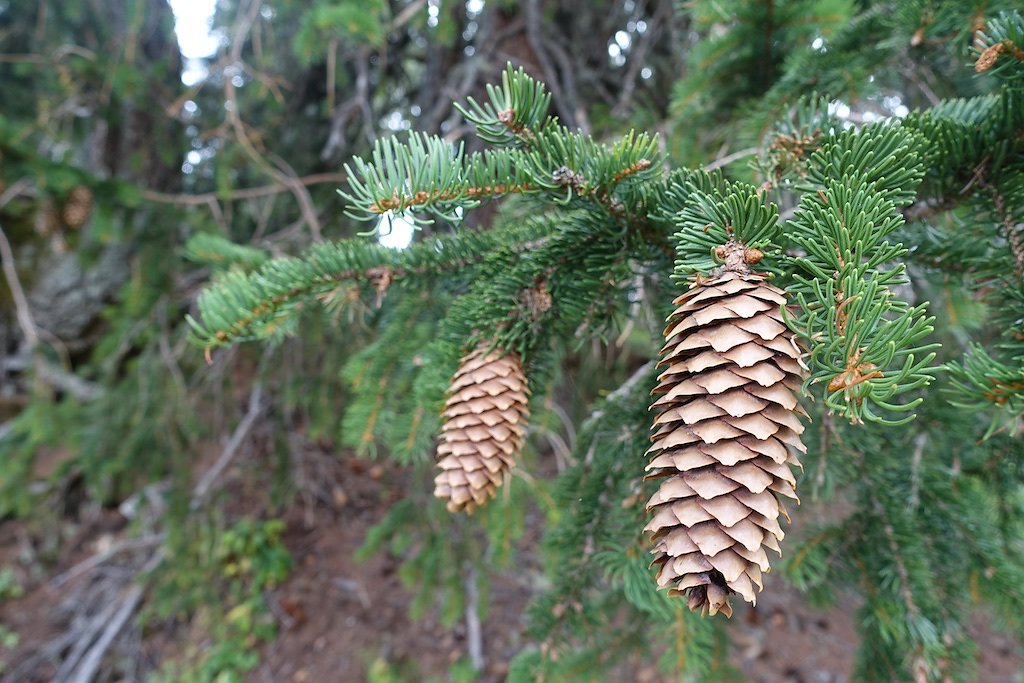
column 865, row 345
column 512, row 114
column 1000, row 47
column 243, row 306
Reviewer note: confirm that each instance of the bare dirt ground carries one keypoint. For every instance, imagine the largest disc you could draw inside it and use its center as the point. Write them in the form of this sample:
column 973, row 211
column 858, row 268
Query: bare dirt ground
column 337, row 616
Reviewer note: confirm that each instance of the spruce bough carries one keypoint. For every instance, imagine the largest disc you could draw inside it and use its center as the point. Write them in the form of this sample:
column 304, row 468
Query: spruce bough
column 824, row 305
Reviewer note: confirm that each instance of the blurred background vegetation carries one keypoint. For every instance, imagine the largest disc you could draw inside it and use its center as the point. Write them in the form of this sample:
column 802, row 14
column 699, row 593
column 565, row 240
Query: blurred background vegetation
column 263, row 512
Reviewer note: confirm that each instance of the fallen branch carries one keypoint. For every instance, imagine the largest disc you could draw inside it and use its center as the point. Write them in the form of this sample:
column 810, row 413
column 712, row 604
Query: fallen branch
column 21, row 309
column 474, row 633
column 99, row 558
column 639, row 374
column 202, row 488
column 82, row 641
column 89, row 644
column 86, row 671
column 58, row 378
column 244, row 193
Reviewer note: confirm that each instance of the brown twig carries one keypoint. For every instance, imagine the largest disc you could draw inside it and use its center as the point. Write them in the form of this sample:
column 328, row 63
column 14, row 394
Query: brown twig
column 535, row 38
column 208, row 479
column 729, row 158
column 21, row 308
column 102, row 557
column 284, row 175
column 244, row 193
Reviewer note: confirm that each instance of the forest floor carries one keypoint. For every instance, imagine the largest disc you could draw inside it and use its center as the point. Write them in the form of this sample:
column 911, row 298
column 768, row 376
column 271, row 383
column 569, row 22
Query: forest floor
column 337, row 616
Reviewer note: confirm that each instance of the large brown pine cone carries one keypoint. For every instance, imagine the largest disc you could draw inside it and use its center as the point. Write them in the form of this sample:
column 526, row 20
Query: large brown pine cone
column 484, row 428
column 724, row 438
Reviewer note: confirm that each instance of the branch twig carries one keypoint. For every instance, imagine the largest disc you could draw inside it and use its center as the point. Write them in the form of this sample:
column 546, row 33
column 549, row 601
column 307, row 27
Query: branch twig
column 245, row 193
column 99, row 558
column 24, row 314
column 286, row 176
column 202, row 488
column 729, row 158
column 86, row 670
column 57, row 377
column 474, row 633
column 638, row 375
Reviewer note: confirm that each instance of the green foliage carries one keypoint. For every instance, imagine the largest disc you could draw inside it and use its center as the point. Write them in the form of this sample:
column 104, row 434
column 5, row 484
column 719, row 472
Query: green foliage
column 597, row 561
column 870, row 345
column 216, row 251
column 220, row 579
column 865, row 343
column 10, row 587
column 1001, row 41
column 332, row 20
column 710, row 219
column 512, row 113
column 742, row 50
column 261, row 304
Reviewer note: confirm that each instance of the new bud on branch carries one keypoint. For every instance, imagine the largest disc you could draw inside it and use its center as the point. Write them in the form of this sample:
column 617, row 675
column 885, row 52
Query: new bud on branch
column 724, row 435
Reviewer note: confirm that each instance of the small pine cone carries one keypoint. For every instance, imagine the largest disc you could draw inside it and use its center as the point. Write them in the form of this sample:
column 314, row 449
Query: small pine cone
column 77, row 208
column 724, row 435
column 484, row 428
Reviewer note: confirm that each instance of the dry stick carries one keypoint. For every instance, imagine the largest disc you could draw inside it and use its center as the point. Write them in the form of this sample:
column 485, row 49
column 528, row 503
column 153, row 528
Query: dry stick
column 474, row 634
column 623, row 390
column 86, row 671
column 559, row 446
column 332, row 66
column 24, row 314
column 99, row 558
column 288, row 177
column 57, row 377
column 80, row 645
column 638, row 57
column 536, row 42
column 729, row 158
column 244, row 193
column 202, row 489
column 359, row 102
column 51, row 651
column 406, row 15
column 91, row 662
column 21, row 309
column 77, row 387
column 200, row 492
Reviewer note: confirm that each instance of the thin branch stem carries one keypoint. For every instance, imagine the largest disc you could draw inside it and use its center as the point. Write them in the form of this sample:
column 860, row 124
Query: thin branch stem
column 206, row 483
column 245, row 193
column 22, row 310
column 729, row 158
